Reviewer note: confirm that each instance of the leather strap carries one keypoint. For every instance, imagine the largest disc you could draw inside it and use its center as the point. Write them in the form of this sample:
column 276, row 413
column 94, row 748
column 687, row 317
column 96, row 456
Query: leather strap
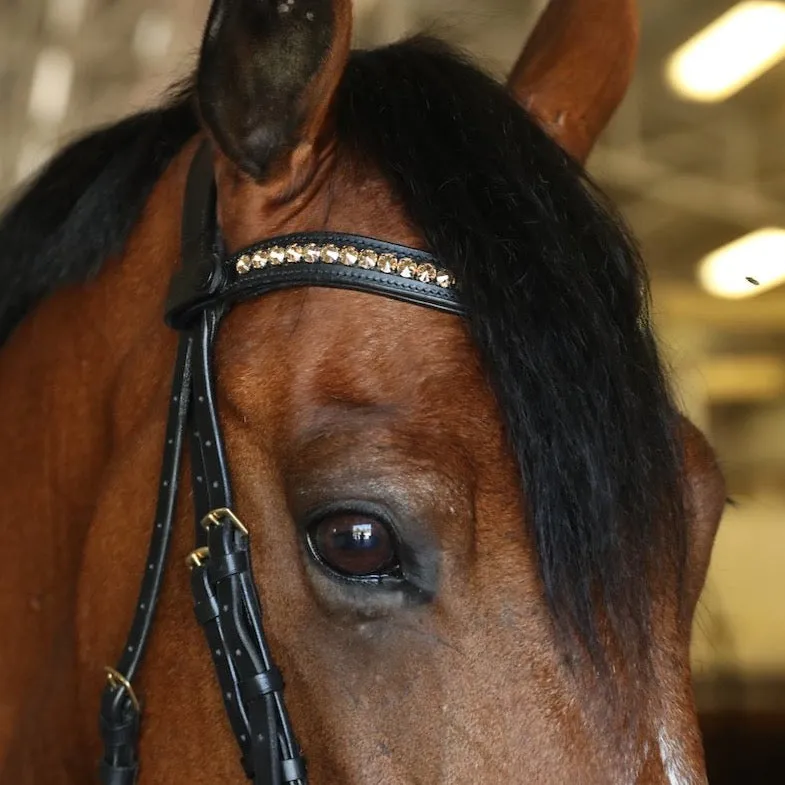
column 200, row 239
column 119, row 718
column 226, row 601
column 251, row 683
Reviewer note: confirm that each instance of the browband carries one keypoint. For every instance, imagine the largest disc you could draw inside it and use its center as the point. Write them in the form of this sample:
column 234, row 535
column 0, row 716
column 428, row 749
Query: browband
column 226, row 600
column 327, row 259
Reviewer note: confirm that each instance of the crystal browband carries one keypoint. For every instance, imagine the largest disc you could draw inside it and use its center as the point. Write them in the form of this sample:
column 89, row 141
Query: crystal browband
column 319, row 258
column 346, row 255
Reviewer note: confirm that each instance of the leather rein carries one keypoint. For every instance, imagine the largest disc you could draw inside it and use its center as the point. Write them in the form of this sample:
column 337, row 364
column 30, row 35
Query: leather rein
column 226, row 601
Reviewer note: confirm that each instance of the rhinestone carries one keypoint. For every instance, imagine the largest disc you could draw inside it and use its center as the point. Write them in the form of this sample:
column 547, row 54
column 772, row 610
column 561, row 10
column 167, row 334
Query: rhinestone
column 277, row 255
column 259, row 260
column 368, row 259
column 349, row 256
column 426, row 273
column 388, row 263
column 311, row 253
column 444, row 279
column 294, row 253
column 331, row 254
column 407, row 268
column 243, row 264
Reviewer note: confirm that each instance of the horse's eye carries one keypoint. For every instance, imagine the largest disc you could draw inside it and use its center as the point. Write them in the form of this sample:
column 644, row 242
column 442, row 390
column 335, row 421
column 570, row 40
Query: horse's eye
column 353, row 544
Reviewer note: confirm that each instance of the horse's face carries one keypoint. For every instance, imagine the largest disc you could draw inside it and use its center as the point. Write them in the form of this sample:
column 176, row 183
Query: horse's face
column 347, row 413
column 364, row 440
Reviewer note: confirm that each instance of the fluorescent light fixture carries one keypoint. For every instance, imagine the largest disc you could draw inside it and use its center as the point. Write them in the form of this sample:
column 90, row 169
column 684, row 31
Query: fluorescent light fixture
column 730, row 53
column 50, row 92
column 747, row 266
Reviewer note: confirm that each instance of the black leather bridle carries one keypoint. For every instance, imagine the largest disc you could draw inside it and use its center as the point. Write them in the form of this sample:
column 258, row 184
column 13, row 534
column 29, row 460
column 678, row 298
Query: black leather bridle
column 226, row 601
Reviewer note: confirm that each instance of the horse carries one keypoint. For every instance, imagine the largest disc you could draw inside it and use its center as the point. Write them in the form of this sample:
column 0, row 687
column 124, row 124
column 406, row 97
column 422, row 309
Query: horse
column 415, row 336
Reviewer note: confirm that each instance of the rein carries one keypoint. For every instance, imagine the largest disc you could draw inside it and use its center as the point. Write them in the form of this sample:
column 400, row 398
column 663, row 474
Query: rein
column 226, row 601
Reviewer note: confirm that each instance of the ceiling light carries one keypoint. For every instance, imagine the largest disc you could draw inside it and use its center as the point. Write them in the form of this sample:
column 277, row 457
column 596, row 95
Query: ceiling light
column 730, row 53
column 50, row 91
column 747, row 266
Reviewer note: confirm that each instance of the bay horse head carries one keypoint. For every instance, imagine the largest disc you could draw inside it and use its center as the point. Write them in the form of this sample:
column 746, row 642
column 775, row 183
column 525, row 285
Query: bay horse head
column 416, row 338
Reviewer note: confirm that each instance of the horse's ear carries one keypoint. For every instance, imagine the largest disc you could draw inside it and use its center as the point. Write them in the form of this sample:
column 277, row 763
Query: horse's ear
column 576, row 67
column 267, row 75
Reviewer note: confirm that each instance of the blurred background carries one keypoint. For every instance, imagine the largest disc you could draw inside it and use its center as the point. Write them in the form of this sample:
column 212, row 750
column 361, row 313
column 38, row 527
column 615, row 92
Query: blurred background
column 695, row 158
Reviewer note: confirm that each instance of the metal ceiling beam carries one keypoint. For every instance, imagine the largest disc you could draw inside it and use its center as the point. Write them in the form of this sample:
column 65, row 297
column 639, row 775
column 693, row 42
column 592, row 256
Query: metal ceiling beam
column 737, row 204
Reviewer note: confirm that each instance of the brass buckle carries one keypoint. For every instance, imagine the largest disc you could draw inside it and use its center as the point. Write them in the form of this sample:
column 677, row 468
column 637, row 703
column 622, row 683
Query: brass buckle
column 214, row 518
column 118, row 682
column 197, row 558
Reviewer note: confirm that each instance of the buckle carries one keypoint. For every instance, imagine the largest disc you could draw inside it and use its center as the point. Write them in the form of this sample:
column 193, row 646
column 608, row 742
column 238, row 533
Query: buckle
column 218, row 516
column 118, row 682
column 197, row 558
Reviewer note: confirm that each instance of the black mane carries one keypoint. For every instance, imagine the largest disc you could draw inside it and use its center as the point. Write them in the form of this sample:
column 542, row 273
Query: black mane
column 556, row 293
column 82, row 207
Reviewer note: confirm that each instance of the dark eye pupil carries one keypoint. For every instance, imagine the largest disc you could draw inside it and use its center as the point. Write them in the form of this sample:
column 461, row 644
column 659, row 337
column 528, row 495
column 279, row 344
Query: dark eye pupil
column 353, row 544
